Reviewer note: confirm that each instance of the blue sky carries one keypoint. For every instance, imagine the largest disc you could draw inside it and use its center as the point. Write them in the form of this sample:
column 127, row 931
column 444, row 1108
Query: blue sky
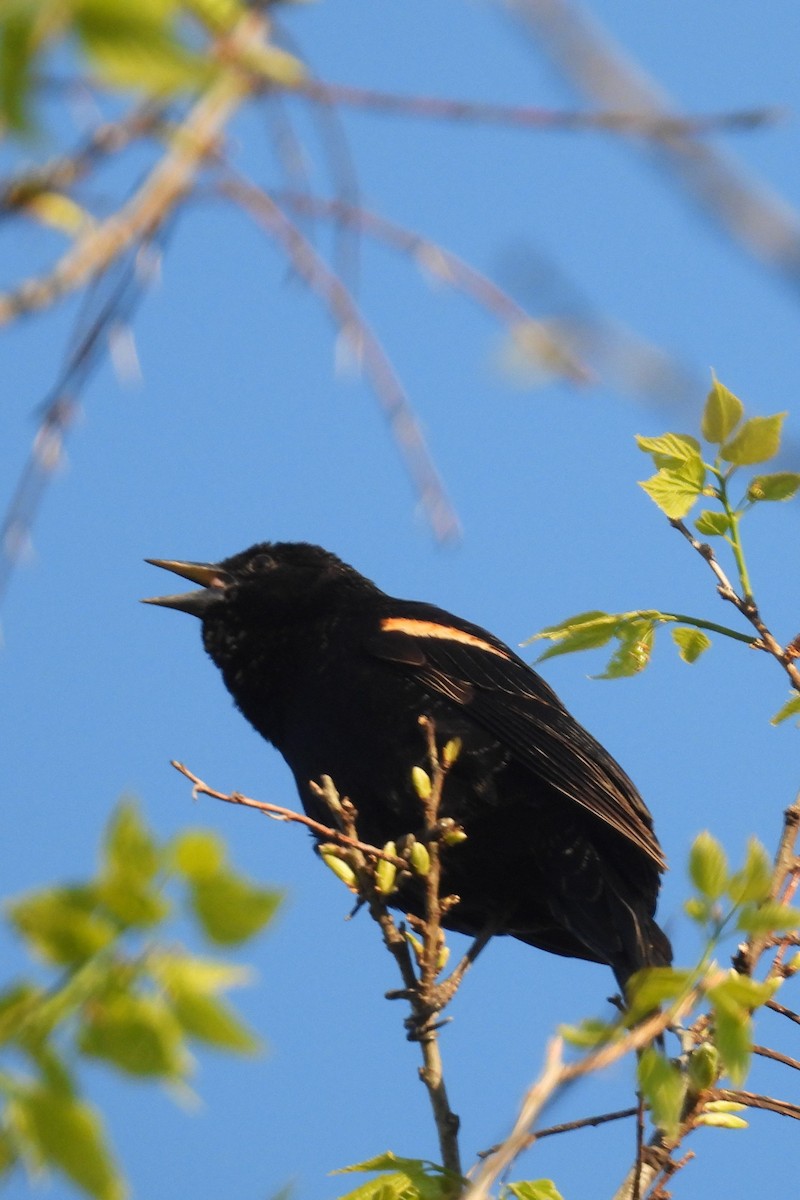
column 242, row 430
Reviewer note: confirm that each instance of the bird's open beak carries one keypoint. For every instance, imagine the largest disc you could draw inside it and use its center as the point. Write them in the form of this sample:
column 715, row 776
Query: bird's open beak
column 213, row 583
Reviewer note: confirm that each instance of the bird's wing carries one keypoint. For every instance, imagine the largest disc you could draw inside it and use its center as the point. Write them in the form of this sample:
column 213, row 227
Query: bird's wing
column 500, row 692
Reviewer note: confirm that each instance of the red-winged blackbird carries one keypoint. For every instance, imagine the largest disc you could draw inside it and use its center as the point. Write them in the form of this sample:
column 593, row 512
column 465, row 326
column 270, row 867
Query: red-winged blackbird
column 560, row 849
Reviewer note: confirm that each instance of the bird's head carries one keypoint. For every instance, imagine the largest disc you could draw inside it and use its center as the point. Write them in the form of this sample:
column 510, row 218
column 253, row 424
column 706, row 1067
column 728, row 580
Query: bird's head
column 246, row 601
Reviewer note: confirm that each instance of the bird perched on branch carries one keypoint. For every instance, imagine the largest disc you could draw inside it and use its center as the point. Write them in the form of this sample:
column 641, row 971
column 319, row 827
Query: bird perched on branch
column 560, row 850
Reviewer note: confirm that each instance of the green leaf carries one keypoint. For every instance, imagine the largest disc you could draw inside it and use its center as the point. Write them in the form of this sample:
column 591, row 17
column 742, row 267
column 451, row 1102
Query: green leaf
column 129, row 847
column 403, row 1179
column 583, row 632
column 177, row 971
column 676, row 491
column 691, row 643
column 733, row 1038
column 532, row 1189
column 758, row 440
column 712, row 524
column 633, row 653
column 131, row 902
column 198, row 853
column 721, row 415
column 8, row 1152
column 698, row 910
column 702, row 1068
column 752, row 884
column 591, row 1032
column 68, row 1134
column 17, row 54
column 768, row 918
column 651, row 987
column 672, row 450
column 135, row 46
column 61, row 924
column 230, row 908
column 781, row 485
column 708, row 866
column 17, row 1003
column 663, row 1088
column 790, row 709
column 275, row 65
column 742, row 991
column 211, row 1020
column 137, row 1034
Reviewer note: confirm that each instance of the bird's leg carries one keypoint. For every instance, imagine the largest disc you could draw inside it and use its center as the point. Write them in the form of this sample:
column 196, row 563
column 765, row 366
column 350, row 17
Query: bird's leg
column 446, row 990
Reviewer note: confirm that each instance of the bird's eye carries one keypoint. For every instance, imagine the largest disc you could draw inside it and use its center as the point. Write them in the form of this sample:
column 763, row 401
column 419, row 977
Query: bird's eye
column 262, row 562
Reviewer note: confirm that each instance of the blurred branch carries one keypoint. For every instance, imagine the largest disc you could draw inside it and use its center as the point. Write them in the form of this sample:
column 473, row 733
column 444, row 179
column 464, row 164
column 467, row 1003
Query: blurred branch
column 364, row 345
column 327, row 832
column 756, row 218
column 63, row 172
column 426, row 998
column 108, row 304
column 151, row 204
column 556, row 355
column 530, row 116
column 556, row 1075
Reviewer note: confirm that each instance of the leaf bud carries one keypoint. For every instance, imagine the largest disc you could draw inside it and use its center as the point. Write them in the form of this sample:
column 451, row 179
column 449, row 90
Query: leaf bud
column 703, row 1067
column 331, row 856
column 419, row 859
column 422, row 783
column 386, row 872
column 451, row 751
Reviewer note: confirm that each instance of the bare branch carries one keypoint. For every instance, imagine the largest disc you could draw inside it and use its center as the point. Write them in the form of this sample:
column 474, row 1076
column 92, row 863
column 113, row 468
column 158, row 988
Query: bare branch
column 345, row 312
column 529, row 116
column 746, row 606
column 326, row 832
column 193, row 140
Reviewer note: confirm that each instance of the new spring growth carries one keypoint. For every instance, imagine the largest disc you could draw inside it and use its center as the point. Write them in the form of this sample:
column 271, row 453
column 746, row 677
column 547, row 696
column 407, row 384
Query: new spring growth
column 418, row 949
column 422, row 783
column 419, row 859
column 451, row 751
column 331, row 856
column 386, row 872
column 450, row 833
column 330, row 794
column 703, row 1068
column 719, row 1114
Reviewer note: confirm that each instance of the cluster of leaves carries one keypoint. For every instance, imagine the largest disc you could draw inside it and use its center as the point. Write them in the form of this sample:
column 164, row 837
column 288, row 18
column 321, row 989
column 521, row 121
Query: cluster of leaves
column 683, row 477
column 153, row 46
column 399, row 1178
column 119, row 993
column 724, row 902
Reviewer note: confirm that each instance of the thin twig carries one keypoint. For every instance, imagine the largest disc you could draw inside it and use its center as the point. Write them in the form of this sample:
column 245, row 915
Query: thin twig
column 569, row 1127
column 447, row 267
column 766, row 1052
column 366, row 346
column 63, row 172
column 528, row 116
column 783, row 1011
column 556, row 1075
column 421, row 992
column 325, row 832
column 745, row 605
column 784, row 1108
column 193, row 140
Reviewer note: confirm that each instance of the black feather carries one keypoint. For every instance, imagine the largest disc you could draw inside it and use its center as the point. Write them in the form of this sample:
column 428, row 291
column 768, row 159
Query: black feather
column 560, row 848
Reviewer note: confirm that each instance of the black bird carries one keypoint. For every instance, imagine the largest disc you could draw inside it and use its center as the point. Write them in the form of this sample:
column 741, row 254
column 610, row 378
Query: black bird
column 560, row 849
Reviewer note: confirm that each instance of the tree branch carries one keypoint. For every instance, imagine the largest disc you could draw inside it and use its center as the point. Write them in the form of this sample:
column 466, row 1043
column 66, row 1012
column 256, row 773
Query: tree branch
column 746, row 606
